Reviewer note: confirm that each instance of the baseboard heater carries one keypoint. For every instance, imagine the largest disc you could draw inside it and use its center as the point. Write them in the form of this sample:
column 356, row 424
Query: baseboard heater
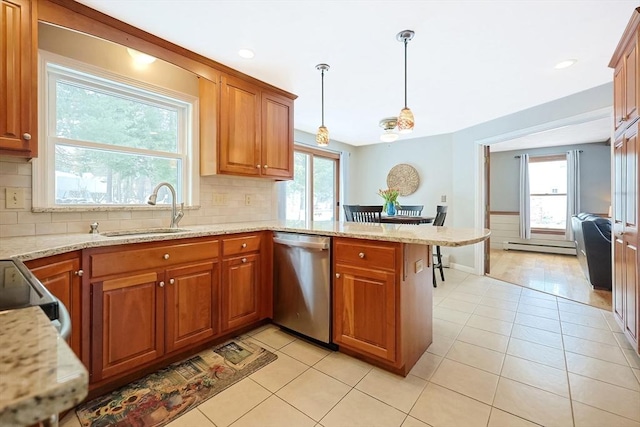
column 551, row 247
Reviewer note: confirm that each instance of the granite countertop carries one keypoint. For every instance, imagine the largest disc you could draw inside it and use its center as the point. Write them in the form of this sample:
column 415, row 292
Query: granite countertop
column 39, row 374
column 31, row 247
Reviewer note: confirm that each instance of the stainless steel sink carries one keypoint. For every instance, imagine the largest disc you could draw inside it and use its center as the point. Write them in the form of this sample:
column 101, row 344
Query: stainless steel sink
column 144, row 231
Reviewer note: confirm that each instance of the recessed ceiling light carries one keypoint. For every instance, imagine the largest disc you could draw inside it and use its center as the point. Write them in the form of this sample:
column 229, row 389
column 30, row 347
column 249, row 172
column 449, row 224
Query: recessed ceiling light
column 565, row 64
column 246, row 53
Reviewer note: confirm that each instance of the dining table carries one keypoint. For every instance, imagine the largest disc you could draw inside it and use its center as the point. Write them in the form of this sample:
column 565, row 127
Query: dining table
column 406, row 219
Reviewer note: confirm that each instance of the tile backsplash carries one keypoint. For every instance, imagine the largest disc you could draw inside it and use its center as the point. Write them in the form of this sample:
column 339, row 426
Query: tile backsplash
column 16, row 173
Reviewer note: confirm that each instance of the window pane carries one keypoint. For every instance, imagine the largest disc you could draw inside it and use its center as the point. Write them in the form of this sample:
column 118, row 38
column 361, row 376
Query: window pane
column 324, row 186
column 84, row 175
column 548, row 177
column 548, row 212
column 89, row 114
column 298, row 189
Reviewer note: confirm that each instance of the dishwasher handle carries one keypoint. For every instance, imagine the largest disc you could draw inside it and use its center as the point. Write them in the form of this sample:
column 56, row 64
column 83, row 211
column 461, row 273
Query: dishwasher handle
column 298, row 244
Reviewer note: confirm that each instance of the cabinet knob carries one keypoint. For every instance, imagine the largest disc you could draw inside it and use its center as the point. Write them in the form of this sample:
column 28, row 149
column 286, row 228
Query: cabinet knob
column 258, row 166
column 26, row 136
column 244, row 245
column 265, row 166
column 161, row 284
column 165, row 256
column 244, row 260
column 79, row 273
column 337, row 275
column 172, row 281
column 361, row 254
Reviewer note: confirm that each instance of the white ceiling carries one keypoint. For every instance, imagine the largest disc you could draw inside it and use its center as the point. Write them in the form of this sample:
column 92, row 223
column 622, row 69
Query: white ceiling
column 469, row 62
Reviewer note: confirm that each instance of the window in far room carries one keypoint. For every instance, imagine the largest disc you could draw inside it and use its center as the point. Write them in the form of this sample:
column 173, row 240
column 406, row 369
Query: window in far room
column 548, row 193
column 313, row 193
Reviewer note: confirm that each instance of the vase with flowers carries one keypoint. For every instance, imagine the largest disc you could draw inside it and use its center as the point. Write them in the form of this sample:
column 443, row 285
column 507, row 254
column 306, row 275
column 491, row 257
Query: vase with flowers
column 390, row 196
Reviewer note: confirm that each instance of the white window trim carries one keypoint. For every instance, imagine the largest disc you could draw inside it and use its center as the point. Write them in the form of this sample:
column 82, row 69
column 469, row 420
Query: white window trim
column 43, row 199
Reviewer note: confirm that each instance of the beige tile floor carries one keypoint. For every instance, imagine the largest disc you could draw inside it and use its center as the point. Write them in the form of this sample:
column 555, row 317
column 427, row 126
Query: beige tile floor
column 556, row 274
column 503, row 355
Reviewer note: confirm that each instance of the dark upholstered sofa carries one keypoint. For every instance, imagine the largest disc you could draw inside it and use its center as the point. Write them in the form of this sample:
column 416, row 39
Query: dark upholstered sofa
column 592, row 235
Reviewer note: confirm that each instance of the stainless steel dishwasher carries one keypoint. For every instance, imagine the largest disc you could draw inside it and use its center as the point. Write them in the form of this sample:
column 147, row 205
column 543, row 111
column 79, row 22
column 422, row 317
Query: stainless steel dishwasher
column 302, row 284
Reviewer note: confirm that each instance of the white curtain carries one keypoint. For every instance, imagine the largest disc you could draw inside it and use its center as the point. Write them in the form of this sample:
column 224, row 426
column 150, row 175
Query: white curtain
column 573, row 189
column 525, row 212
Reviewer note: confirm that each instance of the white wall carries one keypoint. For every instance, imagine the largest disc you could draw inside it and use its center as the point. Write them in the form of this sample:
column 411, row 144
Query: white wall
column 431, row 157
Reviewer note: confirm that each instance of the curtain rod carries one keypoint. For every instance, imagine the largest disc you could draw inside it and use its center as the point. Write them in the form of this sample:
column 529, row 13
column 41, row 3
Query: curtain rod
column 517, row 157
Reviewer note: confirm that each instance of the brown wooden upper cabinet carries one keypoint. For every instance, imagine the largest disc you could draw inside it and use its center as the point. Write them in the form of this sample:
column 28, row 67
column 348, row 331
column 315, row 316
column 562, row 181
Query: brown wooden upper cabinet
column 254, row 134
column 18, row 78
column 625, row 82
column 626, row 203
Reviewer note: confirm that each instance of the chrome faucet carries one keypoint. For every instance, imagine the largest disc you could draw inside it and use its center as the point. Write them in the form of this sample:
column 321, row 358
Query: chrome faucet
column 176, row 215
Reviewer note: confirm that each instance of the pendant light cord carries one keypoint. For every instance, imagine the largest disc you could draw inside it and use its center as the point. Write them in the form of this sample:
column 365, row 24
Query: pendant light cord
column 322, row 73
column 405, row 73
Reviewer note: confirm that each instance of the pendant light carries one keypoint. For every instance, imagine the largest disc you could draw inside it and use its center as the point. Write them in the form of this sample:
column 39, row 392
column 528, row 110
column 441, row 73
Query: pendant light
column 322, row 137
column 388, row 124
column 405, row 119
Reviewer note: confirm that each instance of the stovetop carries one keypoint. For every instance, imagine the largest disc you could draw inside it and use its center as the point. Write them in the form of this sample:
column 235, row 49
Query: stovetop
column 19, row 288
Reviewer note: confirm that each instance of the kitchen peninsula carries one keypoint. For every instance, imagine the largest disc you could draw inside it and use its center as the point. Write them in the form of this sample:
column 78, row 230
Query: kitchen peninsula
column 395, row 258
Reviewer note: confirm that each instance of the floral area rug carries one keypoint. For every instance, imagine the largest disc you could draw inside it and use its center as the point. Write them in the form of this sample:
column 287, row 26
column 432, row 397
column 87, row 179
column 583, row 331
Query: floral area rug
column 158, row 398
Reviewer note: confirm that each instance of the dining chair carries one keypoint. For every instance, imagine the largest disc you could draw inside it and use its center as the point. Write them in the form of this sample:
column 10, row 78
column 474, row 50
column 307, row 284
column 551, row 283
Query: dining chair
column 361, row 213
column 441, row 214
column 410, row 210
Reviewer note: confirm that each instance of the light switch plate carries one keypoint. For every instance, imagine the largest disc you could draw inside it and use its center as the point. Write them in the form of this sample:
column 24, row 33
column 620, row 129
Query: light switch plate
column 443, row 198
column 219, row 199
column 419, row 266
column 14, row 198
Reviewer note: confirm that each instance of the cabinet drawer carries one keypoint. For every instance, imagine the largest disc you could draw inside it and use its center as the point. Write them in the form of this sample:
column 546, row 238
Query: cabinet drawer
column 153, row 257
column 241, row 245
column 378, row 255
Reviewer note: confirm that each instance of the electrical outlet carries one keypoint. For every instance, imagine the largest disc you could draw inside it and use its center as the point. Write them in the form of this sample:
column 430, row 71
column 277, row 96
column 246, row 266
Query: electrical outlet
column 14, row 198
column 219, row 199
column 443, row 198
column 419, row 266
column 248, row 199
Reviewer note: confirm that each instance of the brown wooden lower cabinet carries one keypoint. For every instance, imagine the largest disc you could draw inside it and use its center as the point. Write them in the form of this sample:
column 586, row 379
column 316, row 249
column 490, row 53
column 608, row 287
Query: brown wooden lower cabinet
column 191, row 312
column 61, row 275
column 382, row 301
column 164, row 304
column 240, row 291
column 246, row 291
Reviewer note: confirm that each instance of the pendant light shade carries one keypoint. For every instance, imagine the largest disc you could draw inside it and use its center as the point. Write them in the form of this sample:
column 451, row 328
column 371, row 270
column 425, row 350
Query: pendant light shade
column 405, row 118
column 388, row 124
column 322, row 137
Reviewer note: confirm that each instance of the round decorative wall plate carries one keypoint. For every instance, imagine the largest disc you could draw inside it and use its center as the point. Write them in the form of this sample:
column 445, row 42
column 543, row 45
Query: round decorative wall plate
column 404, row 177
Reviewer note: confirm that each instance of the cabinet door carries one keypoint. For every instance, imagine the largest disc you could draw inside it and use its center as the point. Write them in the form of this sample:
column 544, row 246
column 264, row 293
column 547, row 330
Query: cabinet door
column 277, row 136
column 630, row 237
column 239, row 145
column 127, row 329
column 62, row 278
column 191, row 304
column 240, row 291
column 631, row 81
column 18, row 41
column 618, row 209
column 365, row 311
column 618, row 95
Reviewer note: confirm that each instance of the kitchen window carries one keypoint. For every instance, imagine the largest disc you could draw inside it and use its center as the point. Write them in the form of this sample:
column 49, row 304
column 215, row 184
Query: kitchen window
column 312, row 195
column 108, row 140
column 548, row 193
